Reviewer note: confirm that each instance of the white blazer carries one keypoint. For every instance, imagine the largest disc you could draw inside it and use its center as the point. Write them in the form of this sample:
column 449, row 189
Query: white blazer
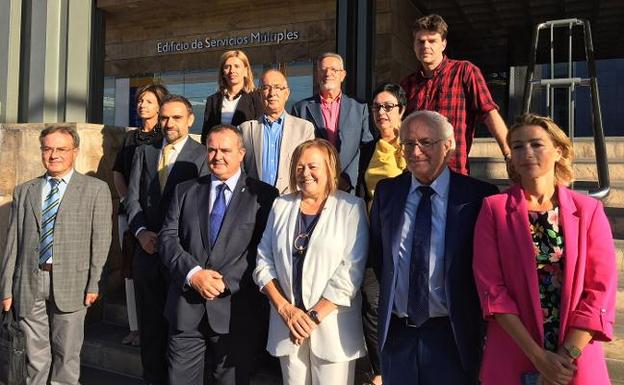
column 333, row 269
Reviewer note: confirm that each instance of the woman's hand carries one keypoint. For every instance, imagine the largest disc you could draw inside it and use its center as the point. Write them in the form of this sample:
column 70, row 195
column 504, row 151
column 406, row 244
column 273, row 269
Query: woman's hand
column 298, row 322
column 554, row 369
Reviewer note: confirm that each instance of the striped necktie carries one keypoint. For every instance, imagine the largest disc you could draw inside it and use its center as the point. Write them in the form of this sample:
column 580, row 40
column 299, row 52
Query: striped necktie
column 163, row 166
column 48, row 219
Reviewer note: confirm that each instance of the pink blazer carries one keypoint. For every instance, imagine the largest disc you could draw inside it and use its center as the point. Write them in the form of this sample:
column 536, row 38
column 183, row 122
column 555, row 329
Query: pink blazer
column 506, row 278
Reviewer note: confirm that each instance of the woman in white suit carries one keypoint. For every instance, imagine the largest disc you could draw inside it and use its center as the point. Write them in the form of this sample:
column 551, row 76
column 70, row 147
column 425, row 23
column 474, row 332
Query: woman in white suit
column 310, row 264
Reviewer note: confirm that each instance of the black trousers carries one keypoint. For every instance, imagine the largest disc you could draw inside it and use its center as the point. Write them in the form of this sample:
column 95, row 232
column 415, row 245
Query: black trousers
column 150, row 284
column 370, row 303
column 201, row 356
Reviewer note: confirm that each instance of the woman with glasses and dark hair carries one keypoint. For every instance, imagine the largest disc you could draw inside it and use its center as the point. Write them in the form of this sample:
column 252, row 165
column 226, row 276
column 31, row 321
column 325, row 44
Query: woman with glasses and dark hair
column 381, row 159
column 148, row 100
column 236, row 101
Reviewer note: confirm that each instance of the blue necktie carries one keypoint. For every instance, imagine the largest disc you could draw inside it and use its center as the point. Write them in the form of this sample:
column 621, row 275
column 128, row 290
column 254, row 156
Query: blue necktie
column 217, row 213
column 48, row 218
column 418, row 297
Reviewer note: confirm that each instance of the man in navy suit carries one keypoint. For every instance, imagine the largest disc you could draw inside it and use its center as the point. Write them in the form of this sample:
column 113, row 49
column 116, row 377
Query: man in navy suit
column 156, row 170
column 208, row 244
column 422, row 222
column 336, row 117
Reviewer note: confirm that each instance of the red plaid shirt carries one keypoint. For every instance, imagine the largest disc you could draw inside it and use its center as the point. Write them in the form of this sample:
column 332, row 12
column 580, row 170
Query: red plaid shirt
column 458, row 91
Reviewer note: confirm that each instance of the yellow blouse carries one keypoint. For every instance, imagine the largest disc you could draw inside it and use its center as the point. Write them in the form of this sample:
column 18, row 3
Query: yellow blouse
column 386, row 162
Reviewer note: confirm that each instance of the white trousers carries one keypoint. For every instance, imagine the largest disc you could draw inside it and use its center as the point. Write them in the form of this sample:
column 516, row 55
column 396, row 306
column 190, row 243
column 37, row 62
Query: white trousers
column 304, row 368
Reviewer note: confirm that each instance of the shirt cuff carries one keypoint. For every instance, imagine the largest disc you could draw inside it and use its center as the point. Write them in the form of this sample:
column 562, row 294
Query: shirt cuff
column 136, row 234
column 190, row 274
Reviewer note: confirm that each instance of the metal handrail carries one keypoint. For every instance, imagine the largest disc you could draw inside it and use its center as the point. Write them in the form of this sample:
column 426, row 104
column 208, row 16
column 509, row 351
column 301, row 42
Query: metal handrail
column 600, row 147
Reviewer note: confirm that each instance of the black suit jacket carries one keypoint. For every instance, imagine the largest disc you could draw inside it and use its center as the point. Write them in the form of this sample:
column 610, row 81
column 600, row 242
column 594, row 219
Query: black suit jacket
column 249, row 107
column 184, row 244
column 464, row 202
column 145, row 204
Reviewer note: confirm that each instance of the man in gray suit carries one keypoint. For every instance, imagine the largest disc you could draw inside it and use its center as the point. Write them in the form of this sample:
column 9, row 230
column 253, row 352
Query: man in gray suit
column 156, row 169
column 271, row 139
column 58, row 240
column 209, row 242
column 337, row 117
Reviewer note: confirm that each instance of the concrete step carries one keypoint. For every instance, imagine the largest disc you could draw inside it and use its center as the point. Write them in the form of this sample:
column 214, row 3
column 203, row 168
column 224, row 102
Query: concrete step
column 103, row 350
column 584, row 168
column 583, row 148
column 615, row 198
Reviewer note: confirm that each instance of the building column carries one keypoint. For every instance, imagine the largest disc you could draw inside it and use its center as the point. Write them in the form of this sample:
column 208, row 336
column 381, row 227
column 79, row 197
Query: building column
column 10, row 35
column 45, row 76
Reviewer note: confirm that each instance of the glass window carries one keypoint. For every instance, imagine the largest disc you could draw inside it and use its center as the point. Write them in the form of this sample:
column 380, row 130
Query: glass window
column 108, row 104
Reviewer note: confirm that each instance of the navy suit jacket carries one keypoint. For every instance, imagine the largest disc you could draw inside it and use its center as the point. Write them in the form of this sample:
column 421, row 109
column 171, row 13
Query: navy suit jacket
column 145, row 203
column 353, row 130
column 184, row 244
column 464, row 202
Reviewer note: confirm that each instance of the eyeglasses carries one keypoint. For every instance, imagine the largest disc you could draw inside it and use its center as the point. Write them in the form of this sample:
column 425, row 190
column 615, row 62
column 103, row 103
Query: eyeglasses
column 331, row 70
column 268, row 88
column 386, row 107
column 59, row 150
column 425, row 144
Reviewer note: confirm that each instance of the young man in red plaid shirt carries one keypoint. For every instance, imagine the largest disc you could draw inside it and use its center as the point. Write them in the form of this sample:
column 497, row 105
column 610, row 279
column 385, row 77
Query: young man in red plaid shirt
column 454, row 88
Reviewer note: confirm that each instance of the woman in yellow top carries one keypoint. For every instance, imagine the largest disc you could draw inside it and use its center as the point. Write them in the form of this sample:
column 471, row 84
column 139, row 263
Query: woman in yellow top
column 386, row 159
column 382, row 159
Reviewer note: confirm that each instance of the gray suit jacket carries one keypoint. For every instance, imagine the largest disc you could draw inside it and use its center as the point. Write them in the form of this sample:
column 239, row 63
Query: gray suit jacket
column 82, row 238
column 145, row 203
column 296, row 131
column 353, row 130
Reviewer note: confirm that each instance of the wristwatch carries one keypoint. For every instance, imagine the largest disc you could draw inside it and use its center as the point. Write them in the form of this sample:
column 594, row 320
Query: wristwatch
column 313, row 314
column 573, row 351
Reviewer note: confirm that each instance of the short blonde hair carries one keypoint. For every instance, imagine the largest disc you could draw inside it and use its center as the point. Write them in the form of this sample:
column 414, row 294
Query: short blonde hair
column 248, row 82
column 332, row 163
column 564, row 173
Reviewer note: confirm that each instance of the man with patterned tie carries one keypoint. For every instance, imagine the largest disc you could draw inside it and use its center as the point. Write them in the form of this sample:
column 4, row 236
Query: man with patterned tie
column 430, row 326
column 58, row 240
column 208, row 243
column 156, row 170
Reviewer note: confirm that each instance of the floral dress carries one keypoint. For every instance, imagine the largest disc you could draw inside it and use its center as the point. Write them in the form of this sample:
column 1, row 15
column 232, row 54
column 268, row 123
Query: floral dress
column 548, row 245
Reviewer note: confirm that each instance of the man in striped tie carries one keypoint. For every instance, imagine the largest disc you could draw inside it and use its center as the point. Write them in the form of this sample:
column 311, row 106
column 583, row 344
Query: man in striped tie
column 58, row 240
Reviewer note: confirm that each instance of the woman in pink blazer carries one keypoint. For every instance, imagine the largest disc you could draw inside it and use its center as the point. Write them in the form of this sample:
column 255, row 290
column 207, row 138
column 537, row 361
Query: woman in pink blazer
column 544, row 265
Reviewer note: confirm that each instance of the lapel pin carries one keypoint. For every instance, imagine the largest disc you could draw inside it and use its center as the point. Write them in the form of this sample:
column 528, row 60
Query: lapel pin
column 243, row 189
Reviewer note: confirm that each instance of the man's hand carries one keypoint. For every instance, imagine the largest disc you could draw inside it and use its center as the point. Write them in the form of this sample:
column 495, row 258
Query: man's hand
column 6, row 304
column 148, row 241
column 208, row 283
column 90, row 298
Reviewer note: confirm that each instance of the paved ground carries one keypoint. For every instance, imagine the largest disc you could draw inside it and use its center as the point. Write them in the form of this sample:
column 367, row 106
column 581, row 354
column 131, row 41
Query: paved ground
column 90, row 376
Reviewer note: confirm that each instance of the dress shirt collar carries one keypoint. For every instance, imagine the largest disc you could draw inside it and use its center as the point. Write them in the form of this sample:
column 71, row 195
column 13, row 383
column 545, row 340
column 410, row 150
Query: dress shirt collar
column 329, row 102
column 440, row 185
column 267, row 122
column 230, row 182
column 65, row 178
column 177, row 146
